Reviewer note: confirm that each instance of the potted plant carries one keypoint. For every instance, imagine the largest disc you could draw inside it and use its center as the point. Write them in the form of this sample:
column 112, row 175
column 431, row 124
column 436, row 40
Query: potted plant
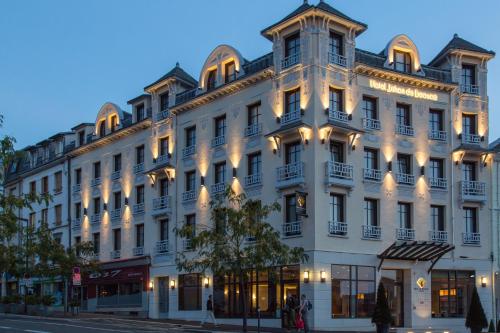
column 47, row 302
column 382, row 314
column 476, row 319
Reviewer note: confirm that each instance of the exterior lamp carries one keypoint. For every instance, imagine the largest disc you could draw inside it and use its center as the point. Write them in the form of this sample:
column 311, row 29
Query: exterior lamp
column 422, row 170
column 105, row 206
column 278, row 120
column 327, row 110
column 85, row 212
column 202, row 181
column 235, row 171
column 483, row 281
column 126, row 201
column 151, row 285
column 389, row 166
column 206, row 282
column 172, row 284
column 306, row 276
column 322, row 276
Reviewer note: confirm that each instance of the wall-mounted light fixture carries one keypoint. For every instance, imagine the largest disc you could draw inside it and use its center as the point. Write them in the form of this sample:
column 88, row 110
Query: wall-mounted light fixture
column 202, row 181
column 85, row 212
column 322, row 276
column 306, row 276
column 460, row 136
column 482, row 138
column 389, row 166
column 278, row 120
column 275, row 151
column 483, row 281
column 151, row 285
column 206, row 282
column 172, row 284
column 126, row 201
column 327, row 110
column 302, row 112
column 154, row 160
column 349, row 116
column 235, row 172
column 105, row 207
column 422, row 170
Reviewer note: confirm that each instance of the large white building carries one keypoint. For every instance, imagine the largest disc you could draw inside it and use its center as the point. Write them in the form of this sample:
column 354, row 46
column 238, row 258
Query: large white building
column 391, row 154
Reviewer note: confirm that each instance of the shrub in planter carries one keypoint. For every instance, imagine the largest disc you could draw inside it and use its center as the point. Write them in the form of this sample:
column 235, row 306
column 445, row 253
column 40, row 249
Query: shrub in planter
column 382, row 314
column 476, row 319
column 33, row 305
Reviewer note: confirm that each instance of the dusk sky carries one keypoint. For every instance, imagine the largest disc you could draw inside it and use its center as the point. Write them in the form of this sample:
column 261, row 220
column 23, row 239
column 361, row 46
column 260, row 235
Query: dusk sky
column 61, row 60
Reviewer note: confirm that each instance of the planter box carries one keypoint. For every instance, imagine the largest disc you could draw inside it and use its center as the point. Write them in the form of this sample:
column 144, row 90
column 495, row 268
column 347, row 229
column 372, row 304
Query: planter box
column 34, row 310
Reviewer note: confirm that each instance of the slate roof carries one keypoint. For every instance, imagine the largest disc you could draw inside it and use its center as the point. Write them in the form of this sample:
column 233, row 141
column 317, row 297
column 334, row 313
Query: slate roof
column 178, row 73
column 458, row 43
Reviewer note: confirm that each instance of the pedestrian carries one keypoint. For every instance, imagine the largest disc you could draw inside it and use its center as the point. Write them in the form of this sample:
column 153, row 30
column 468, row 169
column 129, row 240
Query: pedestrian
column 210, row 312
column 305, row 307
column 290, row 307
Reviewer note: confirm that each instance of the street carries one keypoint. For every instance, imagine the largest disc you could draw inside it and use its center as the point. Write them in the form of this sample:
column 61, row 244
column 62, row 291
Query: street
column 21, row 323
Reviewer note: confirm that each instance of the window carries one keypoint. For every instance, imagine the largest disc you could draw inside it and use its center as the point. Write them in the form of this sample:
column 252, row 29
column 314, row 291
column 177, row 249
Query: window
column 33, row 187
column 254, row 114
column 451, row 292
column 78, row 176
column 437, row 218
column 337, row 151
column 404, row 215
column 139, row 154
column 254, row 164
column 78, row 210
column 191, row 221
column 436, row 168
column 211, row 79
column 292, row 101
column 96, row 242
column 32, row 220
column 403, row 115
column 291, row 209
column 139, row 235
column 139, row 194
column 58, row 182
column 220, row 126
column 337, row 207
column 163, row 229
column 117, row 162
column 436, row 122
column 370, row 107
column 292, row 45
column 117, row 239
column 57, row 238
column 45, row 185
column 190, row 136
column 470, row 218
column 371, row 212
column 139, row 112
column 163, row 147
column 371, row 159
column 58, row 214
column 230, row 71
column 336, row 100
column 190, row 180
column 468, row 171
column 220, row 172
column 404, row 164
column 45, row 215
column 81, row 138
column 468, row 75
column 114, row 123
column 164, row 101
column 468, row 124
column 102, row 128
column 336, row 44
column 189, row 292
column 353, row 291
column 97, row 206
column 117, row 200
column 292, row 153
column 97, row 170
column 402, row 61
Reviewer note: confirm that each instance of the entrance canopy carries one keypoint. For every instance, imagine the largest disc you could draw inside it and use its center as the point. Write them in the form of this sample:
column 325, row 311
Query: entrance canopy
column 416, row 251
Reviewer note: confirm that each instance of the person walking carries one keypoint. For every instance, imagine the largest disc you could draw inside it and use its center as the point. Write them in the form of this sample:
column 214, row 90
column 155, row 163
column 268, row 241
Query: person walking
column 290, row 307
column 305, row 307
column 210, row 312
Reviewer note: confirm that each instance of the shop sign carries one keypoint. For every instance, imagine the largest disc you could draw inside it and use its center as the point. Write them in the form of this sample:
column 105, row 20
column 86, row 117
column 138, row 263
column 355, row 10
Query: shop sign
column 421, row 284
column 301, row 203
column 400, row 90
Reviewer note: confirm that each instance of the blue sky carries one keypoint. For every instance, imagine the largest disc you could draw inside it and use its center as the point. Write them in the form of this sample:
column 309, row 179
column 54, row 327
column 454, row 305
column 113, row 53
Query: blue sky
column 61, row 60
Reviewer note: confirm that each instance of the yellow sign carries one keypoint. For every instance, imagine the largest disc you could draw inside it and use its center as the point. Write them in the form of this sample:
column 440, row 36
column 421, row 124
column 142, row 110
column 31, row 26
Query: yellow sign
column 399, row 90
column 421, row 282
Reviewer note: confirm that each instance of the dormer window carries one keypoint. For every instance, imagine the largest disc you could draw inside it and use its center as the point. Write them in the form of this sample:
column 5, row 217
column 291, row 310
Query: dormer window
column 469, row 79
column 336, row 50
column 230, row 70
column 139, row 112
column 402, row 61
column 292, row 45
column 81, row 138
column 102, row 128
column 114, row 123
column 211, row 79
column 164, row 101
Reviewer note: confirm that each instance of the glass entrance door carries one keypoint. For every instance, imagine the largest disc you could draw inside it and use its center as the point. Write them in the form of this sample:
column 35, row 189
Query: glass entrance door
column 163, row 294
column 392, row 279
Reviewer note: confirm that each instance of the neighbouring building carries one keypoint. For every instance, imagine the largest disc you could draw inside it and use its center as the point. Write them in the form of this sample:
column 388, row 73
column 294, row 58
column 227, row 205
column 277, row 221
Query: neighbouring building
column 391, row 155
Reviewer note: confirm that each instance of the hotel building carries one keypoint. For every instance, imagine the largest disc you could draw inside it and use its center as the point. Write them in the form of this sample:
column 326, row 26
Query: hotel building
column 391, row 155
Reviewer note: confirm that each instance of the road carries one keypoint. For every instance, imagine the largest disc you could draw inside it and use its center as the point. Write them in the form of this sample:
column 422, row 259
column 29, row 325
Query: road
column 28, row 324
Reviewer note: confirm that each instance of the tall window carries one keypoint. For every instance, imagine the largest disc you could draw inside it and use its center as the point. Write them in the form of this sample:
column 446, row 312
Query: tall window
column 164, row 101
column 437, row 218
column 191, row 222
column 139, row 235
column 45, row 215
column 468, row 75
column 58, row 181
column 451, row 293
column 220, row 126
column 78, row 176
column 337, row 207
column 32, row 219
column 211, row 79
column 163, row 147
column 58, row 214
column 337, row 151
column 336, row 100
column 468, row 123
column 436, row 122
column 371, row 159
column 117, row 162
column 371, row 212
column 254, row 164
column 139, row 194
column 404, row 215
column 139, row 112
column 114, row 123
column 403, row 115
column 370, row 107
column 292, row 153
column 189, row 292
column 163, row 229
column 404, row 164
column 139, row 154
column 254, row 114
column 470, row 218
column 97, row 206
column 78, row 210
column 81, row 138
column 96, row 242
column 220, row 173
column 190, row 136
column 292, row 101
column 436, row 168
column 291, row 209
column 230, row 72
column 33, row 187
column 163, row 187
column 468, row 171
column 353, row 291
column 45, row 185
column 102, row 128
column 402, row 61
column 336, row 44
column 117, row 239
column 117, row 200
column 190, row 180
column 292, row 45
column 97, row 170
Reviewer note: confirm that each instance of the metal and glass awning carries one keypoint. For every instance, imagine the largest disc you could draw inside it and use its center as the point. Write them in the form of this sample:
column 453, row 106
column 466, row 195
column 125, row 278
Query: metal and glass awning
column 416, row 251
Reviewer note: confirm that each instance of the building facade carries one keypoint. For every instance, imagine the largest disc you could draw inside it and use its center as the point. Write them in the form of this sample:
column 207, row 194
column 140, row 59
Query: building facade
column 390, row 154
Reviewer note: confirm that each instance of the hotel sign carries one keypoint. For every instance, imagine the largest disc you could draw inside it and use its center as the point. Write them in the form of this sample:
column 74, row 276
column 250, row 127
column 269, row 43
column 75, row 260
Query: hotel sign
column 399, row 90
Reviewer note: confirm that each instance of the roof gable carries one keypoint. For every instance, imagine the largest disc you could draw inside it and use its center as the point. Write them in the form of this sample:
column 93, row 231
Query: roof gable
column 176, row 73
column 457, row 43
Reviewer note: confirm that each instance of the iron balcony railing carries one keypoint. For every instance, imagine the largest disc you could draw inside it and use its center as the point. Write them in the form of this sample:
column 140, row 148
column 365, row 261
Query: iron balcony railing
column 471, row 238
column 95, row 182
column 162, row 159
column 372, row 174
column 370, row 232
column 473, row 188
column 115, row 254
column 253, row 130
column 116, row 214
column 138, row 168
column 471, row 138
column 164, row 114
column 438, row 135
column 339, row 170
column 438, row 236
column 371, row 124
column 438, row 182
column 252, row 180
column 218, row 188
column 293, row 228
column 337, row 59
column 95, row 219
column 472, row 89
column 405, row 179
column 218, row 141
column 338, row 116
column 290, row 61
column 189, row 195
column 138, row 251
column 77, row 188
column 188, row 151
column 187, row 245
column 77, row 223
column 290, row 172
column 163, row 202
column 161, row 247
column 405, row 130
column 138, row 208
column 290, row 117
column 337, row 228
column 116, row 175
column 405, row 234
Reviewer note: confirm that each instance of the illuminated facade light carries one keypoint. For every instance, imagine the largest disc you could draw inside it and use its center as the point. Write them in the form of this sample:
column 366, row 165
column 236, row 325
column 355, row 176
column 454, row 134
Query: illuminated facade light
column 172, row 284
column 202, row 181
column 206, row 282
column 389, row 166
column 306, row 276
column 234, row 173
column 322, row 276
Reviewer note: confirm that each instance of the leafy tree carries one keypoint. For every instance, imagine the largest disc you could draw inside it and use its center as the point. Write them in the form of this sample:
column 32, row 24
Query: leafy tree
column 476, row 319
column 491, row 328
column 224, row 246
column 382, row 314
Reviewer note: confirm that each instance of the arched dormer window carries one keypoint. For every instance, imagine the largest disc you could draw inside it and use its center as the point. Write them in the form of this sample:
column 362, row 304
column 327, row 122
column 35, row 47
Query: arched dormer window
column 402, row 61
column 113, row 123
column 230, row 71
column 402, row 55
column 108, row 120
column 211, row 79
column 223, row 65
column 102, row 128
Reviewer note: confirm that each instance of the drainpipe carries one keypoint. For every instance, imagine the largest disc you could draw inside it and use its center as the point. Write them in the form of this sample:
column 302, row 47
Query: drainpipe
column 452, row 182
column 68, row 191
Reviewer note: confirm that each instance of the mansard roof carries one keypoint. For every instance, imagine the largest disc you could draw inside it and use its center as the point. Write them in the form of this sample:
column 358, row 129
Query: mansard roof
column 458, row 43
column 176, row 73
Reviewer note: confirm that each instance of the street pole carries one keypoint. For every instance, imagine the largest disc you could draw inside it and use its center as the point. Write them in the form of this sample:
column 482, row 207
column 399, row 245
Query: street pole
column 25, row 262
column 258, row 319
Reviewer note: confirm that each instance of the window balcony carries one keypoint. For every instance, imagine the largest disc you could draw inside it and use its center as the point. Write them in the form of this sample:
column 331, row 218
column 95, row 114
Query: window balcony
column 164, row 114
column 116, row 254
column 218, row 141
column 339, row 174
column 405, row 179
column 188, row 151
column 218, row 188
column 373, row 175
column 441, row 183
column 292, row 228
column 473, row 191
column 116, row 175
column 116, row 215
column 162, row 159
column 138, row 168
column 77, row 188
column 138, row 209
column 337, row 59
column 290, row 117
column 371, row 124
column 187, row 245
column 95, row 182
column 138, row 251
column 290, row 175
column 95, row 219
column 370, row 232
column 438, row 236
column 76, row 224
column 472, row 89
column 471, row 138
column 253, row 180
column 405, row 234
column 290, row 61
column 405, row 130
column 438, row 135
column 162, row 204
column 339, row 116
column 189, row 196
column 337, row 228
column 161, row 247
column 471, row 238
column 253, row 130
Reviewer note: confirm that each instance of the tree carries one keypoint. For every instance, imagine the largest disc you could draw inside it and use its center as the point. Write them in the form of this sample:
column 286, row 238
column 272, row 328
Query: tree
column 224, row 246
column 382, row 314
column 476, row 319
column 491, row 328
